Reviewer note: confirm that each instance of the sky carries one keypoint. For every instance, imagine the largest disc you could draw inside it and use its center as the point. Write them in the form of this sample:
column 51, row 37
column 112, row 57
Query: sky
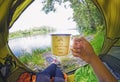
column 33, row 16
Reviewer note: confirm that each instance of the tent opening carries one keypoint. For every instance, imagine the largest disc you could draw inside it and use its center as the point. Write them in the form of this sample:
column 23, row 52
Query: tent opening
column 11, row 66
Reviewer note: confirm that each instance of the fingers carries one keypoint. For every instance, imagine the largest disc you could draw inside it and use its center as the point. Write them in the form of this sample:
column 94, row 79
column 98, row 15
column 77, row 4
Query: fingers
column 75, row 53
column 76, row 50
column 81, row 43
column 77, row 43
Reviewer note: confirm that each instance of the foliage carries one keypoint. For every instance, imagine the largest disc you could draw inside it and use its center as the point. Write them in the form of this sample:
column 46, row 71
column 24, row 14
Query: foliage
column 85, row 13
column 34, row 58
column 88, row 31
column 31, row 32
column 97, row 42
column 85, row 74
column 49, row 5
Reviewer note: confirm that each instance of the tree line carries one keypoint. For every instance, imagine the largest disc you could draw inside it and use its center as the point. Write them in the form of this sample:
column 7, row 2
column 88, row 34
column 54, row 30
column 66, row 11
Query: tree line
column 31, row 32
column 85, row 13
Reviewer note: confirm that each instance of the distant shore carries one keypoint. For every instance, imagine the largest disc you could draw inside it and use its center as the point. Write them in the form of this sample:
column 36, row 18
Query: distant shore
column 32, row 32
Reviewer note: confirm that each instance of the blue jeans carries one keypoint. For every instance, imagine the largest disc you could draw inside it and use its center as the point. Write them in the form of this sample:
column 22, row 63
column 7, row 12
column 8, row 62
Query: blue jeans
column 49, row 72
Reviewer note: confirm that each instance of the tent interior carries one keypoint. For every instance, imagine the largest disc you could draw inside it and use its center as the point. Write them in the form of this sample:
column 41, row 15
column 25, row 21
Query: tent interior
column 12, row 9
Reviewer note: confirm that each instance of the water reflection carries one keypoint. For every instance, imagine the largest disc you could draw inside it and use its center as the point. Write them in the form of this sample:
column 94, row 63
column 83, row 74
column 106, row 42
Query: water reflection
column 27, row 44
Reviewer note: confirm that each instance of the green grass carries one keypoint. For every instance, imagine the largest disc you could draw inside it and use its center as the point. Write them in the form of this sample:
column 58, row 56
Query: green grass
column 34, row 58
column 85, row 73
column 98, row 41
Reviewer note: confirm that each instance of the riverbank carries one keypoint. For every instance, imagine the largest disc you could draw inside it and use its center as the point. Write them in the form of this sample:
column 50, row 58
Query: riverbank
column 29, row 43
column 31, row 32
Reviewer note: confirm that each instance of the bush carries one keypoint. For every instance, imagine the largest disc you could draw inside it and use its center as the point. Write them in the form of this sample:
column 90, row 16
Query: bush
column 34, row 58
column 97, row 42
column 85, row 74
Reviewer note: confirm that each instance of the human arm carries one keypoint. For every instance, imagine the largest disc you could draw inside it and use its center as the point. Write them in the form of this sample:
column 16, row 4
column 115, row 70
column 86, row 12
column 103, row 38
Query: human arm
column 81, row 48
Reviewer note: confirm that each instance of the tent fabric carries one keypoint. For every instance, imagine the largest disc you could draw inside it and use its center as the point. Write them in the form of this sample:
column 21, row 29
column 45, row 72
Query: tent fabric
column 117, row 43
column 113, row 66
column 115, row 51
column 19, row 10
column 10, row 66
column 112, row 59
column 110, row 10
column 108, row 44
column 12, row 9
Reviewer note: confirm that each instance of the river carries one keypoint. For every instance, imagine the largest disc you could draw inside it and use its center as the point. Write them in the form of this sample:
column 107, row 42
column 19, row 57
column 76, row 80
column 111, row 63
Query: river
column 27, row 44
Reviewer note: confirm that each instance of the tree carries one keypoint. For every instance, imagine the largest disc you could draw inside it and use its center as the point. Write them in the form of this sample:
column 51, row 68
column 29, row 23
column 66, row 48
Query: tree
column 86, row 15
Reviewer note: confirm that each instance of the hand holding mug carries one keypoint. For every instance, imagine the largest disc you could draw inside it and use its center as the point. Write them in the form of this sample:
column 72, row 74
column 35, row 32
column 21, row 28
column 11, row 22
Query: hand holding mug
column 82, row 48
